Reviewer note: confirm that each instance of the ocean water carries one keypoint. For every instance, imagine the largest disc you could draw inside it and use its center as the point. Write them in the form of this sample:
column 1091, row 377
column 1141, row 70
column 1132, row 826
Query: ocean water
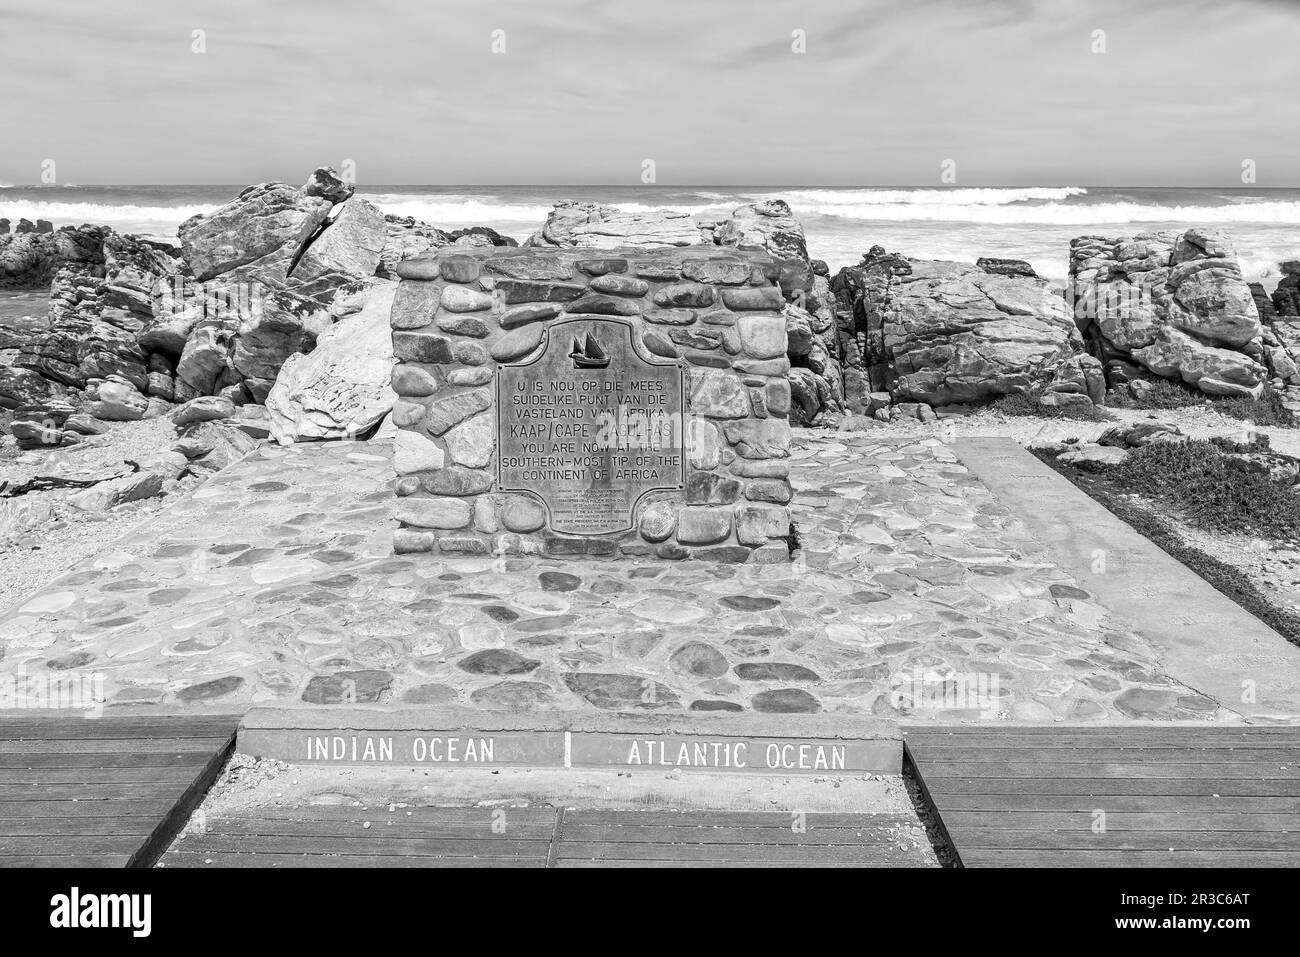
column 957, row 223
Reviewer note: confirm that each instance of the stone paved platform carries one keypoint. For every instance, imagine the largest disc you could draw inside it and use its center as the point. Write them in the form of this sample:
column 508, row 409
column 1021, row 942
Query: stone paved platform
column 275, row 583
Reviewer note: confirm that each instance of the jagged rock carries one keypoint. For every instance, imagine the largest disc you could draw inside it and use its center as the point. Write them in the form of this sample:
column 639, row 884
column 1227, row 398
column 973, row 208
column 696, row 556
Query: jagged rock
column 1093, row 458
column 328, row 185
column 1282, row 469
column 1138, row 434
column 943, row 333
column 593, row 226
column 407, row 238
column 284, row 324
column 772, row 226
column 211, row 446
column 117, row 400
column 203, row 409
column 346, row 250
column 30, row 259
column 1006, row 267
column 129, row 488
column 341, row 389
column 19, row 387
column 1176, row 355
column 1174, row 302
column 266, row 220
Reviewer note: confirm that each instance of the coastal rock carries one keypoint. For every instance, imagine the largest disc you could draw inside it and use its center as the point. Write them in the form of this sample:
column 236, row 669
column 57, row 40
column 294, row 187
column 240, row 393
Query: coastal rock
column 772, row 226
column 593, row 226
column 943, row 332
column 29, row 259
column 117, row 400
column 1216, row 371
column 1174, row 302
column 341, row 389
column 263, row 220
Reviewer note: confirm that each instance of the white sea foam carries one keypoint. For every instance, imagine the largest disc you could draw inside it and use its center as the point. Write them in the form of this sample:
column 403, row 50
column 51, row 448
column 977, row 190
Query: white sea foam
column 956, row 196
column 1059, row 214
column 97, row 213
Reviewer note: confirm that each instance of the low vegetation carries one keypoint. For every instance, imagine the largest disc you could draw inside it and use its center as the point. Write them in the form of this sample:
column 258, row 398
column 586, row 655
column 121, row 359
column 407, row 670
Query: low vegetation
column 1267, row 410
column 1110, row 491
column 1195, row 479
column 1025, row 404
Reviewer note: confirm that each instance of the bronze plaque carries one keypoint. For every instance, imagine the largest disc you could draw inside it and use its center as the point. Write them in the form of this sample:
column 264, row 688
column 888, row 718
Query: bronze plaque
column 590, row 425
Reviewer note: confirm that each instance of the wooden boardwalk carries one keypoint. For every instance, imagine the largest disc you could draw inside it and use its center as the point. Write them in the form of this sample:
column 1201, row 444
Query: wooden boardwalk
column 103, row 792
column 547, row 837
column 1125, row 796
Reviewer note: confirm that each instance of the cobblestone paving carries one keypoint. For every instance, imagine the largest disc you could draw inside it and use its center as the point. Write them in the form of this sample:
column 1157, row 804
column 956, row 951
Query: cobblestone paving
column 275, row 583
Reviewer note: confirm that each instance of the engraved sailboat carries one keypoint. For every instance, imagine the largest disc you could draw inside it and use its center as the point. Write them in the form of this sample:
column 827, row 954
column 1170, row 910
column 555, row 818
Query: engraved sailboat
column 588, row 354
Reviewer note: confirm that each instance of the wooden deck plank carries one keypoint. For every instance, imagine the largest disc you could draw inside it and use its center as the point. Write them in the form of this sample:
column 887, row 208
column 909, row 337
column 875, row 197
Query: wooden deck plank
column 143, row 790
column 188, row 859
column 86, row 807
column 1129, row 770
column 1172, row 796
column 108, row 792
column 946, row 754
column 73, row 729
column 1206, row 787
column 116, row 861
column 141, row 826
column 995, row 857
column 1046, row 803
column 68, row 761
column 1078, row 839
column 134, row 745
column 69, row 845
column 1128, row 730
column 1118, row 820
column 40, row 777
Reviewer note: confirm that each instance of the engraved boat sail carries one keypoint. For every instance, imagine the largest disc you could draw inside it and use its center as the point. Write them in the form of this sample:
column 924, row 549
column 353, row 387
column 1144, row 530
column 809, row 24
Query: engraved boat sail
column 588, row 354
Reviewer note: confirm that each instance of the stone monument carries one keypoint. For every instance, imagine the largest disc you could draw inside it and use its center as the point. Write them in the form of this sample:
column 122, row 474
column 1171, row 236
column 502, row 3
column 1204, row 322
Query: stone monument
column 560, row 403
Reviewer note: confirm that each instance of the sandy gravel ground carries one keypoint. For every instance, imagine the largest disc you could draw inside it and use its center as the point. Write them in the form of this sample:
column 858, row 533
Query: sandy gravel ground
column 42, row 534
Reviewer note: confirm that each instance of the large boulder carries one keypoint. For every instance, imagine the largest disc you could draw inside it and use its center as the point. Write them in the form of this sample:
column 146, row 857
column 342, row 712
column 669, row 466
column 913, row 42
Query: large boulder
column 266, row 224
column 592, row 226
column 342, row 388
column 944, row 332
column 772, row 226
column 1176, row 303
column 1176, row 355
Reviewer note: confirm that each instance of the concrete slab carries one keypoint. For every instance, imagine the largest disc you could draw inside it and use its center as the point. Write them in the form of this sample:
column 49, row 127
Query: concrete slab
column 464, row 738
column 1201, row 638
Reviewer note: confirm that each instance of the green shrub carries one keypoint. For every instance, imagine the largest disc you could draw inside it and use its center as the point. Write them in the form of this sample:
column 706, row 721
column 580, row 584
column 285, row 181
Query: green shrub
column 1194, row 478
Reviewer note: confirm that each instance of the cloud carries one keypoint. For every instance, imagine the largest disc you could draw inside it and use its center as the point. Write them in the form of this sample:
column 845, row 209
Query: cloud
column 712, row 91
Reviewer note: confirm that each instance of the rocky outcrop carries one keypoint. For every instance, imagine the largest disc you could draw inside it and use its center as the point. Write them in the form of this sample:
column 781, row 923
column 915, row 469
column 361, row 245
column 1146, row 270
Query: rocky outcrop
column 137, row 327
column 592, row 226
column 943, row 333
column 1174, row 303
column 342, row 388
column 30, row 258
column 97, row 310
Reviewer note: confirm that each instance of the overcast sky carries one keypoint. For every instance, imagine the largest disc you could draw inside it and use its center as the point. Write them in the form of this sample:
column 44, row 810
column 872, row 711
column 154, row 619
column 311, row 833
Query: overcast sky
column 709, row 89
